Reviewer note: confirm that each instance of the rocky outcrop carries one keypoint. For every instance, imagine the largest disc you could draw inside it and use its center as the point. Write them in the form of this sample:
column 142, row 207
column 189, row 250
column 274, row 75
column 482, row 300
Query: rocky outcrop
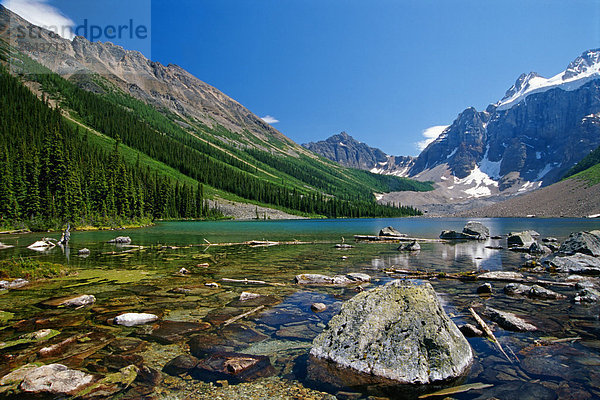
column 399, row 332
column 581, row 242
column 576, row 264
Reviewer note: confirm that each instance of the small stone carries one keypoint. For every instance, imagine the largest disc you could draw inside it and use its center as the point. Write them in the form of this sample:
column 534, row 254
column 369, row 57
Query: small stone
column 486, row 288
column 79, row 301
column 343, row 246
column 203, row 265
column 318, row 307
column 180, row 365
column 540, row 292
column 55, row 379
column 132, row 319
column 212, row 284
column 550, row 240
column 184, row 271
column 84, row 251
column 358, row 277
column 247, row 296
column 517, row 289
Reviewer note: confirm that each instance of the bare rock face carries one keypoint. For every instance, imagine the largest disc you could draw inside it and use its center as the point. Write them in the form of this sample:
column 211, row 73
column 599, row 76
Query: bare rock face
column 398, row 332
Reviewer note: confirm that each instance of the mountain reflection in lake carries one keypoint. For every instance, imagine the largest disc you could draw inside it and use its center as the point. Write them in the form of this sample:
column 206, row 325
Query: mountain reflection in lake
column 283, row 327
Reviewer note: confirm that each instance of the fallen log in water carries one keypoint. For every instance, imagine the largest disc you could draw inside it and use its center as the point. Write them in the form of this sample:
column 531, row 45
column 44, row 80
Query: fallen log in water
column 488, row 332
column 394, row 239
column 232, row 320
column 252, row 282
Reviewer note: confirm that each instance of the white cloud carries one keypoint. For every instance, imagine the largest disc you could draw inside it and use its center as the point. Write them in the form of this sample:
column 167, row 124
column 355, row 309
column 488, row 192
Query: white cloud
column 269, row 119
column 430, row 134
column 40, row 13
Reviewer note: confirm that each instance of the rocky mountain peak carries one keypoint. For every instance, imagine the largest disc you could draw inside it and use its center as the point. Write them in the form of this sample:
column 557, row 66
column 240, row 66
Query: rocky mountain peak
column 520, row 85
column 585, row 63
column 346, row 150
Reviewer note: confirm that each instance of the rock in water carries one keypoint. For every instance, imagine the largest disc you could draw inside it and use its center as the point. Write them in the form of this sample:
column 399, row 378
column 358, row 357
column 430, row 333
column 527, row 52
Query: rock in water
column 410, row 246
column 52, row 378
column 390, row 231
column 477, row 229
column 121, row 240
column 581, row 242
column 399, row 332
column 520, row 239
column 132, row 319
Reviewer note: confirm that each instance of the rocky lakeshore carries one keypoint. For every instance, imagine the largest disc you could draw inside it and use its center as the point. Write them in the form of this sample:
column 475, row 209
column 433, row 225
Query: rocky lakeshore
column 240, row 321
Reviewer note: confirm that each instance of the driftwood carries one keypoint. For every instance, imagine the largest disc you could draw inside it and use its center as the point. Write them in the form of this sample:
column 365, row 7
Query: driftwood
column 237, row 318
column 489, row 333
column 472, row 276
column 252, row 282
column 256, row 243
column 394, row 239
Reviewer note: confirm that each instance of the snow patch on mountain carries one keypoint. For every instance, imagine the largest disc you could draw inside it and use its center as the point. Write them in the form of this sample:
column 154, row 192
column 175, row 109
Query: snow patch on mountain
column 479, row 182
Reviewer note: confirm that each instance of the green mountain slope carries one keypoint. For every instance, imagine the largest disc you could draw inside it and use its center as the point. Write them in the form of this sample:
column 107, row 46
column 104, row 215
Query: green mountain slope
column 185, row 157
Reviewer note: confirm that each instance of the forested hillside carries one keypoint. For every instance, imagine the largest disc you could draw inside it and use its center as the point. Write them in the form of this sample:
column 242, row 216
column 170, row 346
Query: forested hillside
column 53, row 173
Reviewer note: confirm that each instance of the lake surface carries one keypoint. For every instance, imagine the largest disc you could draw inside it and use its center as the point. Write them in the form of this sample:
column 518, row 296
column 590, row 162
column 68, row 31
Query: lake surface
column 146, row 279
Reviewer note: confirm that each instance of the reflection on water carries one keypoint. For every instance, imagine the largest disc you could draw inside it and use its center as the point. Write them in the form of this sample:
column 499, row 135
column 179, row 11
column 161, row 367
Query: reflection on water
column 147, row 280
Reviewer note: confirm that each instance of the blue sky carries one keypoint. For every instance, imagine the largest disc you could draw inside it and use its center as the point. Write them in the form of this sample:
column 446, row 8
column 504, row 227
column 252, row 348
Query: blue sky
column 382, row 70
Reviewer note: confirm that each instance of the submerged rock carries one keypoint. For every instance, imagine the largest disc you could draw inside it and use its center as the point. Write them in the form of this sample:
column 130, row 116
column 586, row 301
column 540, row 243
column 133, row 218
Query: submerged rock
column 180, row 365
column 581, row 242
column 318, row 307
column 78, row 301
column 576, row 264
column 84, row 251
column 111, row 384
column 520, row 239
column 509, row 321
column 537, row 248
column 390, row 231
column 54, row 379
column 411, row 246
column 248, row 296
column 235, row 367
column 343, row 246
column 132, row 319
column 399, row 332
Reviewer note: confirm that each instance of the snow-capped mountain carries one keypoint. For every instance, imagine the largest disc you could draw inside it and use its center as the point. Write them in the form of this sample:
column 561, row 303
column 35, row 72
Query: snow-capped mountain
column 530, row 138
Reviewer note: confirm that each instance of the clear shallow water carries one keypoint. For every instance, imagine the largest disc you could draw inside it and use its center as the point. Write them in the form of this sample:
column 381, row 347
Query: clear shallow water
column 146, row 280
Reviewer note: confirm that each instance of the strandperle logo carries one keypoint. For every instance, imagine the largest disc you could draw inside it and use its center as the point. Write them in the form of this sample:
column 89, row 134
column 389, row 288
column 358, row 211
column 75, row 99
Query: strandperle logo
column 93, row 32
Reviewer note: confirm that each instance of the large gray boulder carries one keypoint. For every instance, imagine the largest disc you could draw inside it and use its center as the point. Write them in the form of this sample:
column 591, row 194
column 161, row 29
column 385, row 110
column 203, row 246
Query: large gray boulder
column 47, row 379
column 391, row 231
column 474, row 228
column 581, row 242
column 520, row 239
column 576, row 264
column 398, row 331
